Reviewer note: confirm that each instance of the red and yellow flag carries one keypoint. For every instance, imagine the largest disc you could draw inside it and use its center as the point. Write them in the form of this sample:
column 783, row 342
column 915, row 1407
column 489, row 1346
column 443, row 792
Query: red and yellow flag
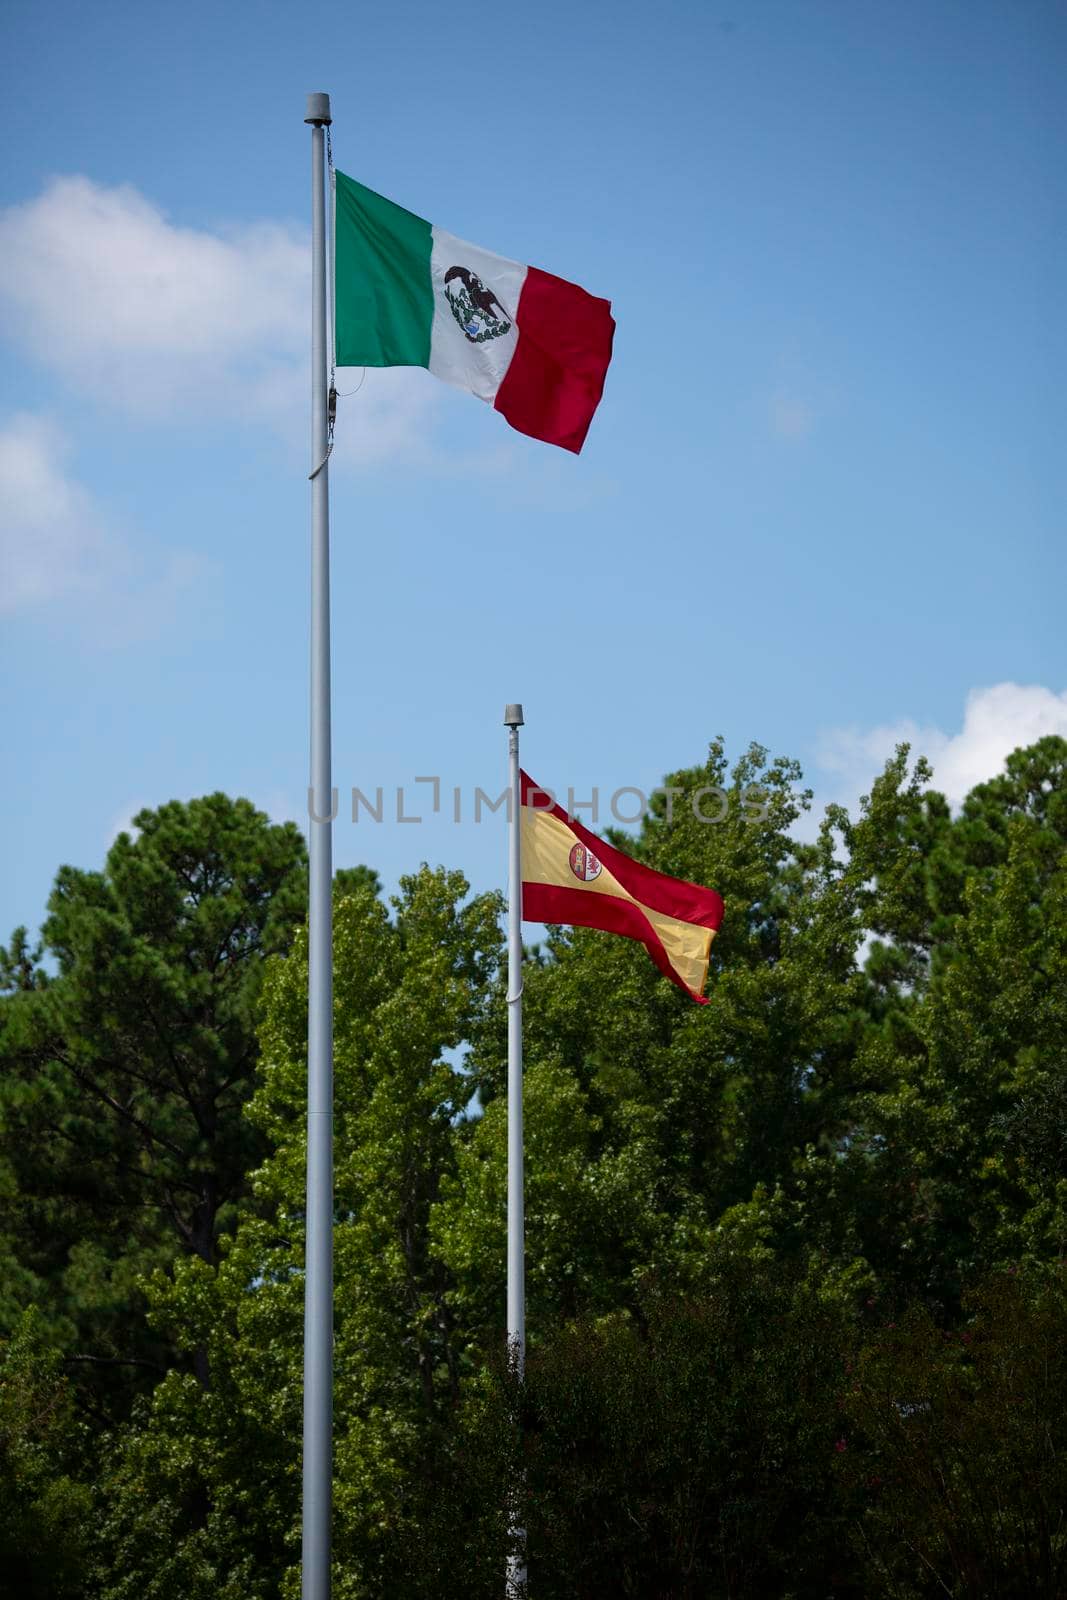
column 571, row 876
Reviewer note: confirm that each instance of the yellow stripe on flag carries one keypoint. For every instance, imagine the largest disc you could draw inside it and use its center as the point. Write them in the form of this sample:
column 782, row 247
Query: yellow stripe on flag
column 547, row 843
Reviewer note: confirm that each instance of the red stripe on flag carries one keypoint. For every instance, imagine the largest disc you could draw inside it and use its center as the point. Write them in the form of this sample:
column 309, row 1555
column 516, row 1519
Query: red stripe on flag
column 544, row 902
column 674, row 897
column 556, row 376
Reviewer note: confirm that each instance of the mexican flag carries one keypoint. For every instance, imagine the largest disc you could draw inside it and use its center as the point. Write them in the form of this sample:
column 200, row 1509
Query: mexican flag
column 407, row 294
column 571, row 876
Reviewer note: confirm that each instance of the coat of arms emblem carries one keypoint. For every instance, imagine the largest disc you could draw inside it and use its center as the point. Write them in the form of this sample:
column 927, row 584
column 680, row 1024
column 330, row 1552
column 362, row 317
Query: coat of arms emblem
column 476, row 308
column 584, row 864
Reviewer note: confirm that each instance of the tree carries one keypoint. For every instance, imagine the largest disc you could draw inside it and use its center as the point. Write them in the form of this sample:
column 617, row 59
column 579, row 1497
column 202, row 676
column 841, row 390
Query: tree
column 223, row 1469
column 956, row 1446
column 969, row 1015
column 45, row 1500
column 648, row 1117
column 727, row 1208
column 125, row 1074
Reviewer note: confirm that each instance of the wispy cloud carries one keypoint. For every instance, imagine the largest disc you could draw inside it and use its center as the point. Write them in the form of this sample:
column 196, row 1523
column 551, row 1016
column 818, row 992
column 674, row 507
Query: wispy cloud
column 52, row 539
column 996, row 721
column 123, row 822
column 281, row 806
column 383, row 413
column 167, row 322
column 57, row 548
column 98, row 283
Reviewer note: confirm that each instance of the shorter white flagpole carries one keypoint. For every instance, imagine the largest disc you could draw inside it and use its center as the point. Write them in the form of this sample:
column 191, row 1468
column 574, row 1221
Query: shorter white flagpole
column 516, row 1307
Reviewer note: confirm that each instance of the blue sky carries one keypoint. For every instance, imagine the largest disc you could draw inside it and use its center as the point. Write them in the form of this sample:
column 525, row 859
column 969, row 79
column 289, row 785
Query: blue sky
column 821, row 506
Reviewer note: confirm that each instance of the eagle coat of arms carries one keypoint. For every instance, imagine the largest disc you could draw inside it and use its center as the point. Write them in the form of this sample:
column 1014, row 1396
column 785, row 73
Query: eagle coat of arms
column 476, row 308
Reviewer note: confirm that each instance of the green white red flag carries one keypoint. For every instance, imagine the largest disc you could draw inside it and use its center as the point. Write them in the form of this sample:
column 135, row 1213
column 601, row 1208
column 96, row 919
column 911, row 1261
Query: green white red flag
column 408, row 294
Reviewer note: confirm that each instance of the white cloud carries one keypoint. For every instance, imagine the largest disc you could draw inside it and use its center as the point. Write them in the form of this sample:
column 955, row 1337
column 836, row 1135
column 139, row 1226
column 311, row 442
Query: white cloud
column 173, row 322
column 996, row 721
column 386, row 412
column 56, row 545
column 98, row 283
column 52, row 539
column 281, row 807
column 123, row 823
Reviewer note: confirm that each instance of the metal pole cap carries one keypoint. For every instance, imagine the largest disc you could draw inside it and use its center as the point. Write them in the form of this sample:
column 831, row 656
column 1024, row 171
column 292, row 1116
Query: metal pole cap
column 513, row 717
column 318, row 109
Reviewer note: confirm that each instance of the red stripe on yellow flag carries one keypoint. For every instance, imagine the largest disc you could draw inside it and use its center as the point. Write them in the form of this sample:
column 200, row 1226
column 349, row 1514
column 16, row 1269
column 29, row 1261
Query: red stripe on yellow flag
column 571, row 876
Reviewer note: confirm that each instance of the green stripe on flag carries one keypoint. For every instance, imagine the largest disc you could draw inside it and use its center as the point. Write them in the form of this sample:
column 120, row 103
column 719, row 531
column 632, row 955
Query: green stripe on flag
column 383, row 312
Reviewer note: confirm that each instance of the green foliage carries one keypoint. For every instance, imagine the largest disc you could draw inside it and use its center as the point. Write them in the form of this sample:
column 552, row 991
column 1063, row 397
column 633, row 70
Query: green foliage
column 122, row 1139
column 687, row 1451
column 44, row 1500
column 957, row 1444
column 792, row 1256
column 648, row 1117
column 224, row 1467
column 967, row 1042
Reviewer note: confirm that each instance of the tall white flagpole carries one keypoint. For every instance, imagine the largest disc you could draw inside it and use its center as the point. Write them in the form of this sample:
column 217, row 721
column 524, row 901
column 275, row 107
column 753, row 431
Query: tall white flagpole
column 516, row 1308
column 318, row 1273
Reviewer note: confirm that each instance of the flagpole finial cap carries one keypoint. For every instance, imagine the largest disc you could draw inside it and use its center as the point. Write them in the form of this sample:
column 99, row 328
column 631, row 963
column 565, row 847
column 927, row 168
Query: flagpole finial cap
column 513, row 717
column 318, row 109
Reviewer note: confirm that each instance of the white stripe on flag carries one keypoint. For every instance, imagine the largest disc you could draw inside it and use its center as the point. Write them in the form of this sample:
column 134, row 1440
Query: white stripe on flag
column 472, row 357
